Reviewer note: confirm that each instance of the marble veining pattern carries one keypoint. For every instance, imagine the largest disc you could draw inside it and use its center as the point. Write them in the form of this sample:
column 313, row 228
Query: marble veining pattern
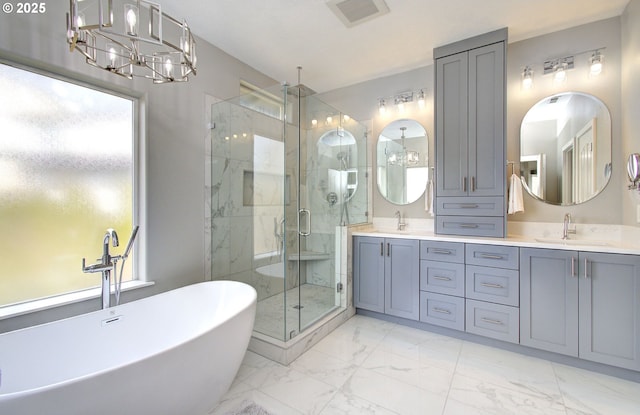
column 368, row 366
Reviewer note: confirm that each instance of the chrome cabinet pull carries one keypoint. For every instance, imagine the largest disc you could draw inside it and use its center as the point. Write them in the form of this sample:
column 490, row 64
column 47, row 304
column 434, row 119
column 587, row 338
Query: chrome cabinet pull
column 491, row 256
column 473, row 183
column 381, row 248
column 490, row 285
column 586, row 267
column 468, row 225
column 464, row 184
column 573, row 267
column 441, row 251
column 437, row 277
column 441, row 310
column 469, row 206
column 388, row 249
column 492, row 321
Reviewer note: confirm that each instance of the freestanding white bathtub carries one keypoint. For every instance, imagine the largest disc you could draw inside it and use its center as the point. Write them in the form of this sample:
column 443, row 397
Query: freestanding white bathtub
column 174, row 353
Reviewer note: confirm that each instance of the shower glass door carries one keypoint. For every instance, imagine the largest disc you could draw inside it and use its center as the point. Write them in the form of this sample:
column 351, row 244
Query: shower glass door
column 323, row 147
column 287, row 173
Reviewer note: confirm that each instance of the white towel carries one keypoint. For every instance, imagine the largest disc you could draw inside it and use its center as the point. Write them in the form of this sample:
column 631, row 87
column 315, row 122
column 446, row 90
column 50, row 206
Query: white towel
column 428, row 198
column 516, row 203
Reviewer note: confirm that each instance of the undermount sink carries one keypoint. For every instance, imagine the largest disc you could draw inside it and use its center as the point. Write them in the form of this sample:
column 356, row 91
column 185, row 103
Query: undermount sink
column 576, row 242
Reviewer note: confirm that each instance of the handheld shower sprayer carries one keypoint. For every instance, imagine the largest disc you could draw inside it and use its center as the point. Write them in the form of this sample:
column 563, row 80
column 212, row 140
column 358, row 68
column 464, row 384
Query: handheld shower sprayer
column 124, row 256
column 343, row 157
column 132, row 239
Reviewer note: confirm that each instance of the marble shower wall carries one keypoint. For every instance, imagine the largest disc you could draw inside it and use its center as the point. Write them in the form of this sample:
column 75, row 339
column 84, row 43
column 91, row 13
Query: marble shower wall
column 242, row 220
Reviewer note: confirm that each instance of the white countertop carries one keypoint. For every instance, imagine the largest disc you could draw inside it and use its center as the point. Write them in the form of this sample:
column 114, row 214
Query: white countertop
column 590, row 238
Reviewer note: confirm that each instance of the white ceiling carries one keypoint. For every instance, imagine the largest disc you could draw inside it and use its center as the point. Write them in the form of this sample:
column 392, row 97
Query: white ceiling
column 276, row 36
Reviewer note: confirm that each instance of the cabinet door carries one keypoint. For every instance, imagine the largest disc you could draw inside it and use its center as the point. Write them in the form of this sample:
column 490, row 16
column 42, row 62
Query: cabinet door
column 452, row 125
column 610, row 309
column 402, row 278
column 549, row 300
column 486, row 121
column 368, row 273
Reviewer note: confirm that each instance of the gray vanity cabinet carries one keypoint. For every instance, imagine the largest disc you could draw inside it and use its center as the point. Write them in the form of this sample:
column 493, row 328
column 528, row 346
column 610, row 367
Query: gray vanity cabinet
column 470, row 140
column 549, row 300
column 581, row 304
column 609, row 309
column 368, row 273
column 387, row 276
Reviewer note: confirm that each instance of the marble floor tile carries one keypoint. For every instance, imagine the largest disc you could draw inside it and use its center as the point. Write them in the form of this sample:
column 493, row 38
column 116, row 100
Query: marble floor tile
column 392, row 394
column 474, row 396
column 409, row 371
column 345, row 404
column 586, row 392
column 304, row 393
column 369, row 366
column 324, row 367
column 509, row 370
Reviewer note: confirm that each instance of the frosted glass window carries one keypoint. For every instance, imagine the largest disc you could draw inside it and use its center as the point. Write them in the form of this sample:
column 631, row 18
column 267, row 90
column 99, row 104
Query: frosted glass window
column 66, row 175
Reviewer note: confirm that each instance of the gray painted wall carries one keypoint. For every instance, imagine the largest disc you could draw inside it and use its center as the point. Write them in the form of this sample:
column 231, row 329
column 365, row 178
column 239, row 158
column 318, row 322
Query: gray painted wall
column 175, row 142
column 630, row 103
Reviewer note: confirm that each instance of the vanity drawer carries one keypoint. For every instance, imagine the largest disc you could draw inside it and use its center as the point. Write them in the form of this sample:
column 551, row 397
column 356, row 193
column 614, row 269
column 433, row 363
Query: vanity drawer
column 442, row 251
column 499, row 256
column 476, row 206
column 497, row 285
column 470, row 226
column 442, row 277
column 442, row 310
column 492, row 320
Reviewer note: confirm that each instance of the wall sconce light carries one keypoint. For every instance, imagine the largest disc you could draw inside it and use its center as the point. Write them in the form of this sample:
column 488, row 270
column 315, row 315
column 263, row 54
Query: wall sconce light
column 560, row 73
column 596, row 63
column 314, row 123
column 559, row 67
column 527, row 77
column 402, row 99
column 421, row 98
column 382, row 108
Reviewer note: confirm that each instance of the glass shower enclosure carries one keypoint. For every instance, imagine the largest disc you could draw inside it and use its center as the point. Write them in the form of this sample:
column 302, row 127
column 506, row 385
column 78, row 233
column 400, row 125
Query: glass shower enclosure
column 288, row 172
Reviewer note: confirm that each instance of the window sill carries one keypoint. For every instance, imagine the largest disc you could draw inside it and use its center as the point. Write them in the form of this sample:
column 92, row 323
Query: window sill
column 19, row 309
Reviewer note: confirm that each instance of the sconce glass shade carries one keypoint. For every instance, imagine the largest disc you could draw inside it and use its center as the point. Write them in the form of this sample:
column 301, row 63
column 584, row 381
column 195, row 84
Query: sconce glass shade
column 421, row 99
column 527, row 78
column 382, row 108
column 560, row 74
column 596, row 63
column 131, row 38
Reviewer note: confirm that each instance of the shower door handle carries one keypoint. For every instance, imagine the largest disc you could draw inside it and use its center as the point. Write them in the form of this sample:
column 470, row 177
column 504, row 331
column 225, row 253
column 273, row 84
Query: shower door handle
column 307, row 231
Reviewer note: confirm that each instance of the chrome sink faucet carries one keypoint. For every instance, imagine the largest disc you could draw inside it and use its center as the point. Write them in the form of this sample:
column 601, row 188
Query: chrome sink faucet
column 106, row 266
column 401, row 224
column 565, row 227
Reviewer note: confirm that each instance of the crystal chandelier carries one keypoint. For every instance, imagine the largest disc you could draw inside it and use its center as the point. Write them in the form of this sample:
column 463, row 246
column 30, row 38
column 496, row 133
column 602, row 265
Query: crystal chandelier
column 131, row 38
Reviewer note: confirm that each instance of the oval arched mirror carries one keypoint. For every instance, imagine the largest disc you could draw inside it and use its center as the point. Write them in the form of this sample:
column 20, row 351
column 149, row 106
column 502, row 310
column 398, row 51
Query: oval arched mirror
column 565, row 148
column 338, row 153
column 402, row 161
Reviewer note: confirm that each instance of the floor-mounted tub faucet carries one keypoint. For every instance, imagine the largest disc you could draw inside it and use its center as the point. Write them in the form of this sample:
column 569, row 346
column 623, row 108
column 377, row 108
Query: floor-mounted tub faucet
column 401, row 224
column 106, row 266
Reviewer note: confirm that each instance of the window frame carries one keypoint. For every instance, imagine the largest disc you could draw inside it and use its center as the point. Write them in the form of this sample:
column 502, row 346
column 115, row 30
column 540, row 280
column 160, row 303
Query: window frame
column 138, row 186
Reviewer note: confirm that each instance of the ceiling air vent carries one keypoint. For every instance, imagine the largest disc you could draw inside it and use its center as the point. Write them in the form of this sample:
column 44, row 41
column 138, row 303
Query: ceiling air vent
column 353, row 12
